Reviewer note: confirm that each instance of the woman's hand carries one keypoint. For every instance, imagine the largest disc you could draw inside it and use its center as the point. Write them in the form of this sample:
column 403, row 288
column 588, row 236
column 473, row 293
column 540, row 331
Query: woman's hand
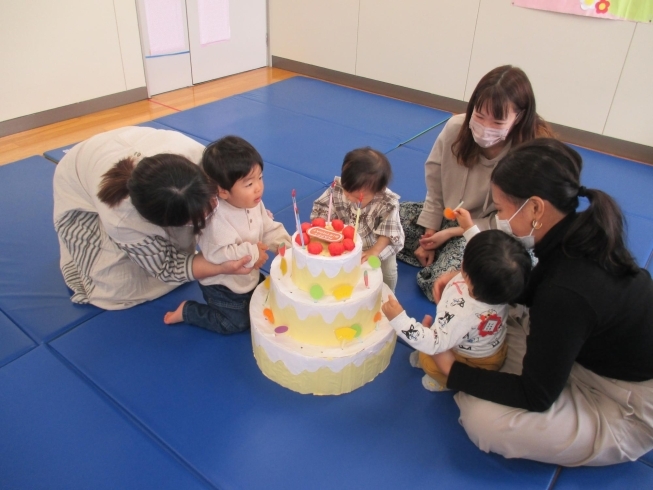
column 202, row 268
column 236, row 267
column 425, row 257
column 262, row 255
column 440, row 283
column 435, row 241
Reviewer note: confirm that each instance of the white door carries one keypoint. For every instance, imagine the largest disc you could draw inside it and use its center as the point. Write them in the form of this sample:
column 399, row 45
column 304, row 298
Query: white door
column 226, row 37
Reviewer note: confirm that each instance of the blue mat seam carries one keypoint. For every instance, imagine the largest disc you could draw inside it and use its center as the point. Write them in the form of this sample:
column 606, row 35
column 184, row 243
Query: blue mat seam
column 18, row 356
column 644, row 462
column 554, row 478
column 36, row 341
column 56, row 336
column 129, row 417
column 423, row 132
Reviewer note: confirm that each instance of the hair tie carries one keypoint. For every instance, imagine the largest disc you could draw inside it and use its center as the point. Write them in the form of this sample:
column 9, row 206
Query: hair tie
column 582, row 191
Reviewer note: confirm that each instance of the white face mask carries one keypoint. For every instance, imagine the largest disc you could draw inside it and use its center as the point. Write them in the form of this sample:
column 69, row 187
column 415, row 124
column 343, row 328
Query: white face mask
column 504, row 225
column 486, row 137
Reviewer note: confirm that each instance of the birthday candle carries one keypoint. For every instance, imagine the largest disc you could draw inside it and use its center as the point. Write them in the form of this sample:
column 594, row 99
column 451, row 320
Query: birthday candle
column 365, row 278
column 299, row 226
column 333, row 184
column 358, row 214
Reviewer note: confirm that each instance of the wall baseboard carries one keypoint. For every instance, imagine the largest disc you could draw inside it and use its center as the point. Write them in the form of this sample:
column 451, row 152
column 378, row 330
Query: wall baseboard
column 586, row 139
column 58, row 114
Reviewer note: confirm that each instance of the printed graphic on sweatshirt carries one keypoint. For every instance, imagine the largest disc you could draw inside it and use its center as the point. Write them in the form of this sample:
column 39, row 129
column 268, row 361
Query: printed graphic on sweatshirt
column 490, row 323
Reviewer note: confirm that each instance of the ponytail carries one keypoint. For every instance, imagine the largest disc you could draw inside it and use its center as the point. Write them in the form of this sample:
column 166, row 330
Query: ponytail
column 598, row 233
column 549, row 169
column 113, row 187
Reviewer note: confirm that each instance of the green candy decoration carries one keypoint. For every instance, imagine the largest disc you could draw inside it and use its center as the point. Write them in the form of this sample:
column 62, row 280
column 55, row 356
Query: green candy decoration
column 374, row 261
column 316, row 291
column 358, row 329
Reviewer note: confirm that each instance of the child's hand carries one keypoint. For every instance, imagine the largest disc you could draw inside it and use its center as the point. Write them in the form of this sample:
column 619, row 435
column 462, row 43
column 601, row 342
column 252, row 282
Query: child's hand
column 262, row 256
column 367, row 254
column 464, row 218
column 391, row 308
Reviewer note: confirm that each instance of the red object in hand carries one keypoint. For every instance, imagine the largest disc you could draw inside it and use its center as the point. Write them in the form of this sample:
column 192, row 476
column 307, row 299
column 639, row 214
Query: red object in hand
column 348, row 232
column 336, row 249
column 348, row 243
column 298, row 239
column 306, row 226
column 319, row 222
column 449, row 214
column 337, row 224
column 315, row 248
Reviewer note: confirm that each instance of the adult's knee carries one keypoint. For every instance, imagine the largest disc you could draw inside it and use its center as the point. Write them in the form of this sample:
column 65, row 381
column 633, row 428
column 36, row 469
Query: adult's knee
column 480, row 419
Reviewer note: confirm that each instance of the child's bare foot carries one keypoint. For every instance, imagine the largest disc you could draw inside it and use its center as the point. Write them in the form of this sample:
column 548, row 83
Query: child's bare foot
column 176, row 316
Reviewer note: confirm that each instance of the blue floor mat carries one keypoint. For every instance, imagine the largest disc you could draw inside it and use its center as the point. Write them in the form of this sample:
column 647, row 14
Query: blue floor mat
column 394, row 119
column 309, row 146
column 617, row 477
column 32, row 291
column 424, row 142
column 13, row 341
column 64, row 434
column 408, row 173
column 629, row 183
column 202, row 394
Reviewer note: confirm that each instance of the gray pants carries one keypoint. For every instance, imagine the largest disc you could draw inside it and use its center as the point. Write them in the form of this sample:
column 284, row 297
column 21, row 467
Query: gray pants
column 389, row 269
column 595, row 421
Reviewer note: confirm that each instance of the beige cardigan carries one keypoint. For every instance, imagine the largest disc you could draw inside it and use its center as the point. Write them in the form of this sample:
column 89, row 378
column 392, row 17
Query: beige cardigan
column 448, row 182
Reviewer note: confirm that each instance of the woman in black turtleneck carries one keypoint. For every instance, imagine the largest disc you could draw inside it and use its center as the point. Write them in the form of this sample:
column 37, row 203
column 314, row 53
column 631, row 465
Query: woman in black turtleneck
column 577, row 387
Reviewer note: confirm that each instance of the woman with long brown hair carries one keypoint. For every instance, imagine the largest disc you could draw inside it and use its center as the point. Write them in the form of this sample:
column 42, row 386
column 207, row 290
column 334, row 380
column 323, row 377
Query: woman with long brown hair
column 128, row 205
column 577, row 384
column 500, row 114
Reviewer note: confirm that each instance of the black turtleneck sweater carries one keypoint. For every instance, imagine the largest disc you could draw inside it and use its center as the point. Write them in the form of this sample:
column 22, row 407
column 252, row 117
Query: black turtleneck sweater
column 578, row 313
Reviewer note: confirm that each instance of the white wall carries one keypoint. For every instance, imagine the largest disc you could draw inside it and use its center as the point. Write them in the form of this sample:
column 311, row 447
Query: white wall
column 318, row 32
column 58, row 53
column 590, row 74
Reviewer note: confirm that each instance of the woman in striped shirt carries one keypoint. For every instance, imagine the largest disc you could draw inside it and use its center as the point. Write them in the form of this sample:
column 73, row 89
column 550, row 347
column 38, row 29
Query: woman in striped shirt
column 128, row 204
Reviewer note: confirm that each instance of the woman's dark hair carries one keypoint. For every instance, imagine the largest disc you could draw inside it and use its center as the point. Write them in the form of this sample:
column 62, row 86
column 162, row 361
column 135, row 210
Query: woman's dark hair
column 230, row 159
column 497, row 91
column 549, row 169
column 365, row 168
column 166, row 190
column 497, row 265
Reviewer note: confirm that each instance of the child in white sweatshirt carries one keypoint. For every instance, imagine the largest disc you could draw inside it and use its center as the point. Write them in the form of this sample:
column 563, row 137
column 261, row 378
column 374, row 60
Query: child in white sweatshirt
column 471, row 314
column 239, row 226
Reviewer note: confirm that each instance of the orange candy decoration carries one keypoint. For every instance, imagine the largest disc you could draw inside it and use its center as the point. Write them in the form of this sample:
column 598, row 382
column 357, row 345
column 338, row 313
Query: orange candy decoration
column 267, row 313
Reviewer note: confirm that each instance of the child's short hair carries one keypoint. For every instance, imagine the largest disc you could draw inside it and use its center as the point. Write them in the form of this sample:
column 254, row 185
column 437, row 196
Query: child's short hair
column 365, row 168
column 230, row 159
column 497, row 265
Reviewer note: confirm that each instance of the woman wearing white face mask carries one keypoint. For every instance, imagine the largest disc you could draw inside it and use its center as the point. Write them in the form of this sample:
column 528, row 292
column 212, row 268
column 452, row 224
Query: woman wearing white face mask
column 577, row 384
column 501, row 113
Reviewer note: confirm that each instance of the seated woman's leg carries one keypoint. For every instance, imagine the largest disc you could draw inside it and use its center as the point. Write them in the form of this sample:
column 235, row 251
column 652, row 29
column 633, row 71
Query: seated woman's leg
column 595, row 421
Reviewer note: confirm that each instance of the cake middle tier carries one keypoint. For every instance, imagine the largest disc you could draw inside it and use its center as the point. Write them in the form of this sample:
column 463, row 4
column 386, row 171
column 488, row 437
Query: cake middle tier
column 327, row 320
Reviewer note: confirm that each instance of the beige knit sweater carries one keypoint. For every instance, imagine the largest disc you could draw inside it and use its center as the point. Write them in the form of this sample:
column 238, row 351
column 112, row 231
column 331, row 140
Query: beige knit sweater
column 448, row 182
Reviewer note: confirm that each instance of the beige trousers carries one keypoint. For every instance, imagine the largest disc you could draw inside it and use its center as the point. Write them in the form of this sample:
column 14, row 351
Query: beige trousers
column 595, row 421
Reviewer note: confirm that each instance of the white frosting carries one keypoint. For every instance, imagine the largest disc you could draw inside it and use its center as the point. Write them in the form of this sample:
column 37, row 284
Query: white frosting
column 286, row 293
column 331, row 266
column 299, row 357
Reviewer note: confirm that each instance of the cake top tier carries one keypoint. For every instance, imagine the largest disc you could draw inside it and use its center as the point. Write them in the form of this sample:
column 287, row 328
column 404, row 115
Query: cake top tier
column 347, row 262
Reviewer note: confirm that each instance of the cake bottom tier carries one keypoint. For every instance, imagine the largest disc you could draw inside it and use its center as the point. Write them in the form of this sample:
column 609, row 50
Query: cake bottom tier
column 318, row 370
